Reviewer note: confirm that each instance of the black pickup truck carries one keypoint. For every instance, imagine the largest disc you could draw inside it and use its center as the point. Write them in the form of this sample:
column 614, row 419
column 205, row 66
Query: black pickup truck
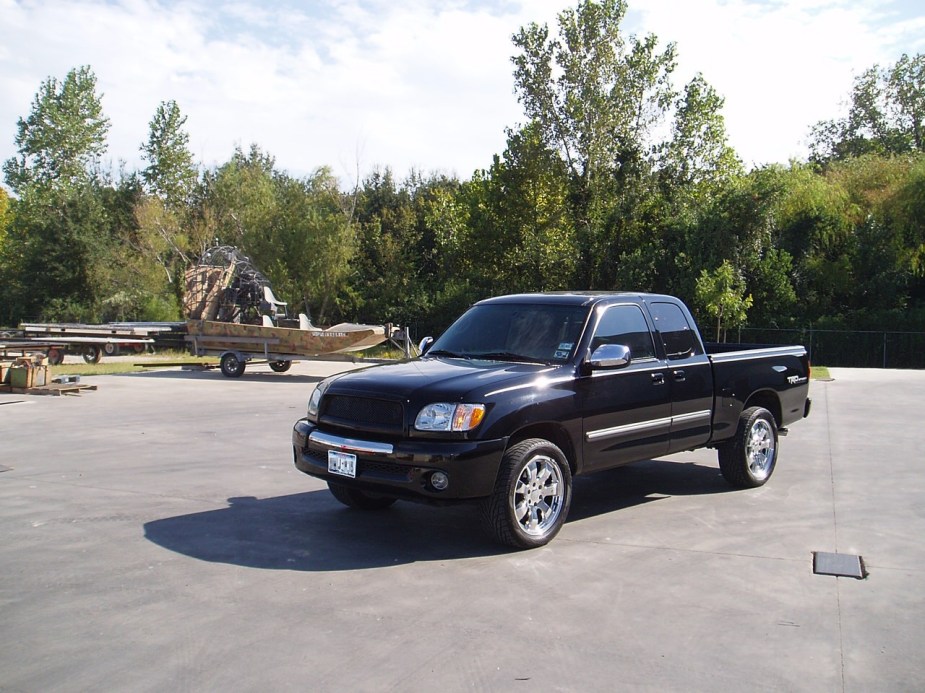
column 524, row 392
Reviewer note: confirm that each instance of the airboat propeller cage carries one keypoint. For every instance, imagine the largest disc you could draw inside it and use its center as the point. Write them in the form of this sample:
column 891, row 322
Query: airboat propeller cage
column 226, row 286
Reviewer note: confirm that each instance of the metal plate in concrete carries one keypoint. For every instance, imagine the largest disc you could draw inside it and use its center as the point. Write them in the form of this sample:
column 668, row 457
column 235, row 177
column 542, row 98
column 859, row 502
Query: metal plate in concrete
column 839, row 565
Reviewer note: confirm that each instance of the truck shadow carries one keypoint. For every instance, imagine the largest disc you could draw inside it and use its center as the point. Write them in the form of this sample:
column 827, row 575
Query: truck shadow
column 313, row 532
column 642, row 482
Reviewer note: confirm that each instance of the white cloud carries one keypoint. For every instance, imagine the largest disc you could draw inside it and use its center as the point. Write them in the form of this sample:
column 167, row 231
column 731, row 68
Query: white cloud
column 781, row 66
column 415, row 83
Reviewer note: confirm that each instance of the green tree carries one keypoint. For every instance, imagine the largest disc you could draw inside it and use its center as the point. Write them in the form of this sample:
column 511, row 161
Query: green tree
column 905, row 95
column 139, row 276
column 698, row 158
column 164, row 233
column 311, row 244
column 5, row 213
column 54, row 257
column 813, row 222
column 738, row 223
column 885, row 206
column 62, row 140
column 56, row 249
column 238, row 199
column 721, row 293
column 597, row 98
column 391, row 273
column 886, row 115
column 171, row 173
column 521, row 238
column 298, row 232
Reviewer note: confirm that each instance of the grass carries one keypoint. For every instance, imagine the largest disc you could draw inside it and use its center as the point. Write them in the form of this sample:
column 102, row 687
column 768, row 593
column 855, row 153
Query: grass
column 821, row 373
column 171, row 358
column 109, row 367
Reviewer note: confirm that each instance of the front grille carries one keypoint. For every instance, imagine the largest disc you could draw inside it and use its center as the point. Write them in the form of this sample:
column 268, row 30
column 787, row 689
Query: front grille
column 363, row 413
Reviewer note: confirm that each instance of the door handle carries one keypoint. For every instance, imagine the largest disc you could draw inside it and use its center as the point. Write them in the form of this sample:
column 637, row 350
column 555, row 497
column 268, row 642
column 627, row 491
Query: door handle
column 658, row 378
column 679, row 376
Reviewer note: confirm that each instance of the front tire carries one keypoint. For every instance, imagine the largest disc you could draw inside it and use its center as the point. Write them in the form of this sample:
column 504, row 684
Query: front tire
column 359, row 500
column 280, row 366
column 748, row 460
column 531, row 497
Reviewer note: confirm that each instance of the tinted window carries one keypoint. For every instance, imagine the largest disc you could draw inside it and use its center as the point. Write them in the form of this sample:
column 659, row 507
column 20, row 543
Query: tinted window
column 625, row 325
column 679, row 339
column 540, row 332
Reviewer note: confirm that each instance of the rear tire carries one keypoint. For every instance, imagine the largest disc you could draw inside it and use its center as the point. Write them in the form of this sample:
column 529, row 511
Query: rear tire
column 531, row 497
column 280, row 366
column 359, row 500
column 748, row 460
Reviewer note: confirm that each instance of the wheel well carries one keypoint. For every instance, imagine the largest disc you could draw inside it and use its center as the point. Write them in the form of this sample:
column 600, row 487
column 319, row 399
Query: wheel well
column 552, row 433
column 769, row 401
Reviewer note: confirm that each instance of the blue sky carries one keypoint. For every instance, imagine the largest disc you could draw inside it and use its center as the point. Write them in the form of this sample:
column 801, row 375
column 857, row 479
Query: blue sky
column 421, row 84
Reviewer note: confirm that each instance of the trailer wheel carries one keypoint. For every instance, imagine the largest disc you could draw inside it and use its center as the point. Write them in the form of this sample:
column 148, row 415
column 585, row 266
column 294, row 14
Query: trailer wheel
column 92, row 353
column 110, row 349
column 748, row 460
column 55, row 356
column 232, row 366
column 354, row 498
column 280, row 366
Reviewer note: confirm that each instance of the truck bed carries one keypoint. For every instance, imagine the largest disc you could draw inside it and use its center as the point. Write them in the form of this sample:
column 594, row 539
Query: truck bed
column 751, row 370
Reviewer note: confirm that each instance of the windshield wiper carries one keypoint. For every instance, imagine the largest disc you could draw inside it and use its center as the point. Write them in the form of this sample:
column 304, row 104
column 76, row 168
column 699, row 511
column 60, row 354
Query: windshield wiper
column 444, row 352
column 505, row 356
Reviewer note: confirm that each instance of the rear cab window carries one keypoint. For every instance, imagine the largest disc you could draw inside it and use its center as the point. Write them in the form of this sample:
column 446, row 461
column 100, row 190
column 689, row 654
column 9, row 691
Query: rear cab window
column 678, row 338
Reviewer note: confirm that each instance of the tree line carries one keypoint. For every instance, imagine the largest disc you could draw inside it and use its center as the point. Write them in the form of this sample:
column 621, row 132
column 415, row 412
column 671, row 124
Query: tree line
column 618, row 179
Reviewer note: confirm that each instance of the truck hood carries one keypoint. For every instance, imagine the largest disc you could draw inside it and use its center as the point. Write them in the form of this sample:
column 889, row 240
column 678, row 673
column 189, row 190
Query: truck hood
column 438, row 379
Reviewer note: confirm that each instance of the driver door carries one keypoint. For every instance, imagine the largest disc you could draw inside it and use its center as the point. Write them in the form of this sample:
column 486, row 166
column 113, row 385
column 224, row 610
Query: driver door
column 626, row 410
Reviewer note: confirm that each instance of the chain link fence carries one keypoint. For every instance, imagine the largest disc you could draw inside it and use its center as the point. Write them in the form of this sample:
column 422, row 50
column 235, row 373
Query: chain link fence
column 846, row 348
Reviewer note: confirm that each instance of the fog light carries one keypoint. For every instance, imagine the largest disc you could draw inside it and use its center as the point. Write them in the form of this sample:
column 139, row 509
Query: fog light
column 439, row 481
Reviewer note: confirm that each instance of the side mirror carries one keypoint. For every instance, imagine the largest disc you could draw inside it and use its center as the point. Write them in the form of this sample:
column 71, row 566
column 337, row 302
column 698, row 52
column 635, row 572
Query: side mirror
column 424, row 345
column 609, row 356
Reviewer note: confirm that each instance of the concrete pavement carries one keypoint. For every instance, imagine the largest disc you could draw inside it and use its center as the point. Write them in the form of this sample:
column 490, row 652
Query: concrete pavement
column 154, row 535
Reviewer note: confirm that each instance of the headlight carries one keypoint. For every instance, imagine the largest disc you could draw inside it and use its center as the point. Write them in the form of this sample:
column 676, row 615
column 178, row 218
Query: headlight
column 449, row 416
column 315, row 400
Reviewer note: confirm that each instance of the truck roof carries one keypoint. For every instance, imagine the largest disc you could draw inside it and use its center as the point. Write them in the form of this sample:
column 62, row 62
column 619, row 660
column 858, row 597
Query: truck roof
column 572, row 298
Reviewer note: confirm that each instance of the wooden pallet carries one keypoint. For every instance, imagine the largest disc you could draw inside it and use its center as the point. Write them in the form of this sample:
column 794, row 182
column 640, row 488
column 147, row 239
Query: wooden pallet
column 56, row 389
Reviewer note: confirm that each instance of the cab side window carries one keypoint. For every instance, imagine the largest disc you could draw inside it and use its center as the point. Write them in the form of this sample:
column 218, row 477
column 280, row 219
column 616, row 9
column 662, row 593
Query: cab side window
column 679, row 340
column 625, row 325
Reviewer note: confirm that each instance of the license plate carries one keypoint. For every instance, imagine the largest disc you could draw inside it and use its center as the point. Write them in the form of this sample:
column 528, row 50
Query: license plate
column 343, row 463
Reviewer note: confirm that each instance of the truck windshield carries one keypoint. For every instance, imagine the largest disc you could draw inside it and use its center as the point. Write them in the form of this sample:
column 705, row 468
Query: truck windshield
column 514, row 332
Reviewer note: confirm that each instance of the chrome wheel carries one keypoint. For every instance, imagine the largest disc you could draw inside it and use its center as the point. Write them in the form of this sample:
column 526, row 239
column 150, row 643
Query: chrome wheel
column 760, row 450
column 531, row 498
column 538, row 495
column 748, row 459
